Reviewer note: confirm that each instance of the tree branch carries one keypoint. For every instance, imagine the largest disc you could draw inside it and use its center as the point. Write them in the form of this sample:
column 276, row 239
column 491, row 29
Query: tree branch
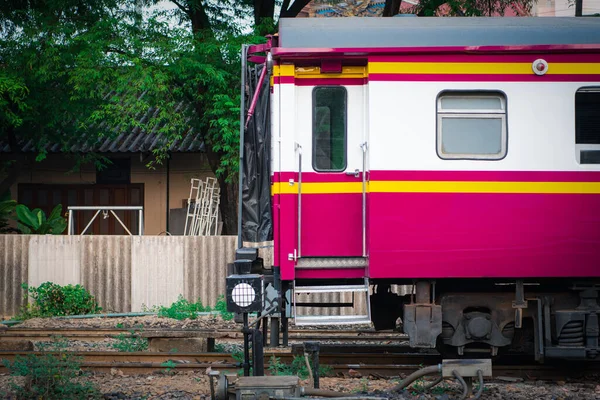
column 294, row 10
column 182, row 7
column 392, row 7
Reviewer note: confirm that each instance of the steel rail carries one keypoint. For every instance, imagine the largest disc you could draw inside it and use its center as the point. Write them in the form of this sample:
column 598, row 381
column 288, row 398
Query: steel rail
column 383, row 365
column 96, row 334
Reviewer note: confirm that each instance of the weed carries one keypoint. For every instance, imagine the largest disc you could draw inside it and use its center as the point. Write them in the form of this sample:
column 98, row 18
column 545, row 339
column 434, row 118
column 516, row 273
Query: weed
column 51, row 300
column 276, row 367
column 182, row 309
column 169, row 365
column 185, row 309
column 220, row 348
column 298, row 367
column 52, row 375
column 129, row 342
column 221, row 306
column 120, row 325
column 364, row 385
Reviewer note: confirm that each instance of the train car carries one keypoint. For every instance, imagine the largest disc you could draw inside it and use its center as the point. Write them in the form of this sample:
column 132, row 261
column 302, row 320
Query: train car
column 459, row 156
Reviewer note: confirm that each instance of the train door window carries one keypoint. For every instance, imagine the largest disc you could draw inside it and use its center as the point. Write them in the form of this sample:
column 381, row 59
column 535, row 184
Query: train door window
column 329, row 128
column 471, row 125
column 587, row 125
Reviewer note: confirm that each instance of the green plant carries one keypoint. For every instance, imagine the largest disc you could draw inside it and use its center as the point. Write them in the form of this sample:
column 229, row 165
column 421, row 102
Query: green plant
column 297, row 367
column 169, row 365
column 276, row 367
column 50, row 299
column 52, row 375
column 221, row 306
column 7, row 208
column 129, row 342
column 35, row 221
column 182, row 309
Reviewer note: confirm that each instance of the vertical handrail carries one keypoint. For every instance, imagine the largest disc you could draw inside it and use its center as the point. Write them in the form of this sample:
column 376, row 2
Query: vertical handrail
column 299, row 150
column 363, row 146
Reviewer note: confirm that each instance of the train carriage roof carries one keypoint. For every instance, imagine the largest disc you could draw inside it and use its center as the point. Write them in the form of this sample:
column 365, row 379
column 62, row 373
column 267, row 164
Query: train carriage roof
column 425, row 32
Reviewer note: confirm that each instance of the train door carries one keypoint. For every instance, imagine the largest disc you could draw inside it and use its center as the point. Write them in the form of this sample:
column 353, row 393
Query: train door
column 331, row 152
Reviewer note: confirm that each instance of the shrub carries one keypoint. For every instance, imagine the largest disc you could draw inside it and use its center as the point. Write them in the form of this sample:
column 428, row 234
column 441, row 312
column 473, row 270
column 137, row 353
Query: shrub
column 53, row 375
column 51, row 300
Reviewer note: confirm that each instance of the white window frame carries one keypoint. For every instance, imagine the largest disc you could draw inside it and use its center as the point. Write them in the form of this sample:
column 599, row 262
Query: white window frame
column 582, row 147
column 473, row 114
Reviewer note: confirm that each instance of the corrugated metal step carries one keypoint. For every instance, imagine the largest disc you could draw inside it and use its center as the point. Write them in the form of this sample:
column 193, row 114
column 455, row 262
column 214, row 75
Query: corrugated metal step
column 356, row 290
column 331, row 262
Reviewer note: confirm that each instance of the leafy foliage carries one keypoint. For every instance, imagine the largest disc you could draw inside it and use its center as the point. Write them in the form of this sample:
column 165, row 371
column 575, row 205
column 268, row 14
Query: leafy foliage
column 53, row 375
column 35, row 221
column 50, row 300
column 7, row 208
column 221, row 306
column 130, row 342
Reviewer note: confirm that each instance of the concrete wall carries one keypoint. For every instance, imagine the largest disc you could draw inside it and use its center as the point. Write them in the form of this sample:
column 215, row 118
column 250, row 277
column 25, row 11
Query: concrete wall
column 124, row 273
column 57, row 169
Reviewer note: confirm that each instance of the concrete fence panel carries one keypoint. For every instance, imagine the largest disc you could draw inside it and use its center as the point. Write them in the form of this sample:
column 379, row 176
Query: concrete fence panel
column 14, row 257
column 54, row 258
column 156, row 270
column 106, row 270
column 205, row 266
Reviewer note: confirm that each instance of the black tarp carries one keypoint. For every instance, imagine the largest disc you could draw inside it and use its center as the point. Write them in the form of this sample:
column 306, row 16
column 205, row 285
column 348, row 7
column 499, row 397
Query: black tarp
column 257, row 221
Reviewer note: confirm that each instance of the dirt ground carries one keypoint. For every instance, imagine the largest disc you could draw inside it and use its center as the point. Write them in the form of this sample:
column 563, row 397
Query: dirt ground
column 195, row 385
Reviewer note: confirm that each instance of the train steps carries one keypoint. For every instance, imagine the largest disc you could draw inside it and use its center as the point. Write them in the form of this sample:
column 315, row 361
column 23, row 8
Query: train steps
column 301, row 293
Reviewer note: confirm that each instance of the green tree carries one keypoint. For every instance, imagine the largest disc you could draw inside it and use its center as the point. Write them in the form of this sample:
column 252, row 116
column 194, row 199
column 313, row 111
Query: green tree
column 71, row 70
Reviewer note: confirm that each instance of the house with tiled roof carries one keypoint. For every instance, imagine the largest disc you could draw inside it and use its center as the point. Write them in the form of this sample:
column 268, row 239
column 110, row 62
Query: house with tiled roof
column 162, row 190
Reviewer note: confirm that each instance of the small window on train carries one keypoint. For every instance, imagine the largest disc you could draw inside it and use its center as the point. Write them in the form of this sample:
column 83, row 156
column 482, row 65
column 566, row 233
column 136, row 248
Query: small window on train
column 587, row 125
column 329, row 128
column 471, row 125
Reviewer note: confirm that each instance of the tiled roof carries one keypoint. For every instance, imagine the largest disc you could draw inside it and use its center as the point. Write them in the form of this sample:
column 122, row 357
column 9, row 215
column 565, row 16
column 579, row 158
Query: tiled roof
column 133, row 141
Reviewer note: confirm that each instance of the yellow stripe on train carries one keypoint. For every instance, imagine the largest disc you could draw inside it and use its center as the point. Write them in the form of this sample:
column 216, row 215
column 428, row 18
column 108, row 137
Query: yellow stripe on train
column 439, row 187
column 480, row 68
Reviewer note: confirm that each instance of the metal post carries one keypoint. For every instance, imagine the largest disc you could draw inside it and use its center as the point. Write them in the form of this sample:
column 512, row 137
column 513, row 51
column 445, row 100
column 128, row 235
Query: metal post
column 141, row 223
column 274, row 342
column 242, row 112
column 258, row 358
column 246, row 346
column 70, row 231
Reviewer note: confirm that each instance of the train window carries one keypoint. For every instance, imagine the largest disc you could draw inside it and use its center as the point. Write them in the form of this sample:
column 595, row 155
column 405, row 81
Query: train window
column 471, row 125
column 329, row 128
column 587, row 125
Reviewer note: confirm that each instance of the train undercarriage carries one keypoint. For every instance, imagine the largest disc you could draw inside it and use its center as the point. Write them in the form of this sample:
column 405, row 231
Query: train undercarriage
column 470, row 318
column 547, row 319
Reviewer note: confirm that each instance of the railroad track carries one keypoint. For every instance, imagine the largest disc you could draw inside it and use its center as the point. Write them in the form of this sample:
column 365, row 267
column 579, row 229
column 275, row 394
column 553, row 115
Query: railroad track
column 91, row 335
column 362, row 364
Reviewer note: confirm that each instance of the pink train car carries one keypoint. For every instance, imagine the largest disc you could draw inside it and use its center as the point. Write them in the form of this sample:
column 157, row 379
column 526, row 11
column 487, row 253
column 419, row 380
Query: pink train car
column 457, row 157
